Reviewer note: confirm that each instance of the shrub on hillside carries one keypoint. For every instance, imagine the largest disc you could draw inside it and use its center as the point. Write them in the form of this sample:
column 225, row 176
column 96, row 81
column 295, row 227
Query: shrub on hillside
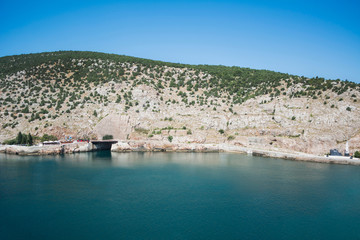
column 230, row 138
column 47, row 137
column 142, row 130
column 108, row 137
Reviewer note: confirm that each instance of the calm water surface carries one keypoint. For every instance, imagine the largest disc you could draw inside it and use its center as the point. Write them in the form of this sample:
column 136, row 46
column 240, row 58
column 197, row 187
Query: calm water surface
column 105, row 195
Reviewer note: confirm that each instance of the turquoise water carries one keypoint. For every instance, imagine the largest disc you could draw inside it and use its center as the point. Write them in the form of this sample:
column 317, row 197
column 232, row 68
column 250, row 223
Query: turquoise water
column 105, row 195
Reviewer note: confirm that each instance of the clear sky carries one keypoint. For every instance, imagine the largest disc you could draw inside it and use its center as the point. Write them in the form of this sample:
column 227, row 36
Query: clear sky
column 307, row 37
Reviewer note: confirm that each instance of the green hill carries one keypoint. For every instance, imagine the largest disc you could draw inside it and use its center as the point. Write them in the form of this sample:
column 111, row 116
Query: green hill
column 238, row 83
column 94, row 94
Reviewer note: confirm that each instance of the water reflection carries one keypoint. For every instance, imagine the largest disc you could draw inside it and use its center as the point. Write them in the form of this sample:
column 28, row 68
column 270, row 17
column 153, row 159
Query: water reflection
column 195, row 159
column 134, row 159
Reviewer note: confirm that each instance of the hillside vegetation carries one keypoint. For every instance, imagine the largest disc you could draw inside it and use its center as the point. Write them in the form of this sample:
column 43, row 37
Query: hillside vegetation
column 48, row 92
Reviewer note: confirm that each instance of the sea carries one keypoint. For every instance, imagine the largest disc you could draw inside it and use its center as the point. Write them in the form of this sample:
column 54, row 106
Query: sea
column 106, row 195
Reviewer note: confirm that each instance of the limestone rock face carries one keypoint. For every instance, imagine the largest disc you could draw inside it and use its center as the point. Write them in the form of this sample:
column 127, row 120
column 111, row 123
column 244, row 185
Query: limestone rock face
column 46, row 150
column 34, row 150
column 78, row 147
column 162, row 146
column 120, row 147
column 120, row 126
column 143, row 109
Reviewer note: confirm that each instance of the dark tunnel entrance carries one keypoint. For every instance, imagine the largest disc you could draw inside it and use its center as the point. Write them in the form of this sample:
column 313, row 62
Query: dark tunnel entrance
column 102, row 144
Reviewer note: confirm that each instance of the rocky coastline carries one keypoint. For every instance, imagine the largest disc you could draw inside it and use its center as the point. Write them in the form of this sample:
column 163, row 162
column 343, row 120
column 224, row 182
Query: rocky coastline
column 162, row 146
column 46, row 150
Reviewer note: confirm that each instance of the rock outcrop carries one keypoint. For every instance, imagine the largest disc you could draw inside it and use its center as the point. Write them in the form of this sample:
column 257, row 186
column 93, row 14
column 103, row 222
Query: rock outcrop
column 46, row 150
column 163, row 146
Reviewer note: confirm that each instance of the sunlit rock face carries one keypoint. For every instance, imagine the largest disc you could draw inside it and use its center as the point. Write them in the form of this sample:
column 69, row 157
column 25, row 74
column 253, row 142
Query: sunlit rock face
column 85, row 95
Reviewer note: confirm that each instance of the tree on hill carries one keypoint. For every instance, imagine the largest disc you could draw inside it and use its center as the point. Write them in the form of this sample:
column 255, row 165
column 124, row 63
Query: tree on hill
column 30, row 139
column 24, row 139
column 19, row 138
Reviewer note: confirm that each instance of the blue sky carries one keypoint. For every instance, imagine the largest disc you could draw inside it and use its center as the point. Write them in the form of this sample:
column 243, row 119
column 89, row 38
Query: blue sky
column 310, row 38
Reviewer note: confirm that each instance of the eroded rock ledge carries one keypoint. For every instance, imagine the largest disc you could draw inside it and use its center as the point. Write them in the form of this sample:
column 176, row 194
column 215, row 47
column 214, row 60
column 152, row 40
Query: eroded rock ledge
column 163, row 146
column 46, row 150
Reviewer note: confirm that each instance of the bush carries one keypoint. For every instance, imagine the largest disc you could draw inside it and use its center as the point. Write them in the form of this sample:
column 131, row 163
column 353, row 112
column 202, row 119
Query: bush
column 47, row 137
column 293, row 118
column 170, row 138
column 221, row 131
column 189, row 132
column 108, row 137
column 357, row 154
column 348, row 109
column 142, row 130
column 10, row 142
column 230, row 138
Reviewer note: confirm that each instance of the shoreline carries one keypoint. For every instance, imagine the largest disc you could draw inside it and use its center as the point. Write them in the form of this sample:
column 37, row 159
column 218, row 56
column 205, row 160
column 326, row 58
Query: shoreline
column 45, row 150
column 160, row 146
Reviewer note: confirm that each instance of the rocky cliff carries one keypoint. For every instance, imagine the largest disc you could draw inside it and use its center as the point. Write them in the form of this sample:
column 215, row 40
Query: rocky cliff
column 89, row 95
